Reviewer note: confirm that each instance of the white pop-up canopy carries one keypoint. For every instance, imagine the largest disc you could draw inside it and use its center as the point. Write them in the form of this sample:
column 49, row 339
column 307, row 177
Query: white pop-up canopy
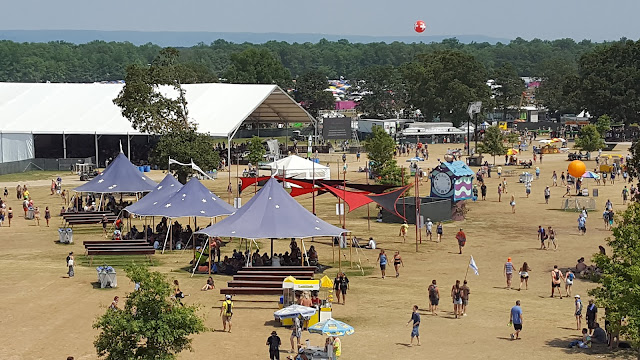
column 299, row 168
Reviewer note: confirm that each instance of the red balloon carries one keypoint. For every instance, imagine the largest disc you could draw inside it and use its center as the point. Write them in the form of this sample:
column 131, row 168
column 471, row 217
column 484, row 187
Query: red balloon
column 420, row 26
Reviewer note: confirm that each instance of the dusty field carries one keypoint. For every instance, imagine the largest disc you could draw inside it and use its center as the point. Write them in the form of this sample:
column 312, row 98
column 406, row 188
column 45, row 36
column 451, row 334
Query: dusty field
column 44, row 315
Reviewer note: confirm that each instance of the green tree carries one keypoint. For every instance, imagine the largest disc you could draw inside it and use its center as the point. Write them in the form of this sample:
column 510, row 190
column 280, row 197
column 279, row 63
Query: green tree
column 619, row 292
column 151, row 326
column 611, row 80
column 257, row 66
column 589, row 139
column 512, row 139
column 443, row 83
column 383, row 88
column 145, row 106
column 310, row 92
column 185, row 146
column 380, row 147
column 559, row 89
column 510, row 89
column 603, row 124
column 493, row 143
column 256, row 151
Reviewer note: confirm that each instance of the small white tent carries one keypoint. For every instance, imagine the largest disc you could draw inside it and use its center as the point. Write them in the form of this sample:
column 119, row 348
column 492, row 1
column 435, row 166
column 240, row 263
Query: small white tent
column 298, row 168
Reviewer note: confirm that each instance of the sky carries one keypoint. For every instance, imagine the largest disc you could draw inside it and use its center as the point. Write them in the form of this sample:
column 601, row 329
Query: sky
column 546, row 19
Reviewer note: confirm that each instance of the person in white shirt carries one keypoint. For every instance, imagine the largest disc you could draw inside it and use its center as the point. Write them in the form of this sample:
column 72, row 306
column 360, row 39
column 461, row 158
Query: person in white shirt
column 429, row 229
column 371, row 244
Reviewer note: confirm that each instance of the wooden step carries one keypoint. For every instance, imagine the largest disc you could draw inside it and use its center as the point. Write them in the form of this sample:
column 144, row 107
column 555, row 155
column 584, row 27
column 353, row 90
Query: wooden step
column 251, row 291
column 279, row 268
column 267, row 277
column 248, row 284
column 287, row 273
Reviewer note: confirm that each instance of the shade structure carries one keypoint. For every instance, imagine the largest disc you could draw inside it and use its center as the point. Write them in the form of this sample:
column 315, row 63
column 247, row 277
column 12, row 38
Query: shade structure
column 167, row 187
column 299, row 168
column 331, row 327
column 121, row 176
column 590, row 175
column 389, row 200
column 193, row 199
column 294, row 311
column 352, row 198
column 272, row 214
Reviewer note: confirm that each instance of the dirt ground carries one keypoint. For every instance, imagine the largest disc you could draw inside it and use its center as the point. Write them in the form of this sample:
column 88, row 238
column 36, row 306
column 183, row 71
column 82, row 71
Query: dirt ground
column 44, row 315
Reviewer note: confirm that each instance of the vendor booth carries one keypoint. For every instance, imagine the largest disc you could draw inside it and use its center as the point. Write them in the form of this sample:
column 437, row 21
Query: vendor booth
column 293, row 289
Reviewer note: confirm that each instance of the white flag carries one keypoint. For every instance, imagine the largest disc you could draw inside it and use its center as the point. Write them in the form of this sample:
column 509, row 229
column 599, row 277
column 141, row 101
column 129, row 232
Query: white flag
column 472, row 264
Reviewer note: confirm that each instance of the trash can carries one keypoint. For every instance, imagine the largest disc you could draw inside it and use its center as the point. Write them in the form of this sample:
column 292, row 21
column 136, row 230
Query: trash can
column 141, row 169
column 595, row 192
column 107, row 277
column 69, row 236
column 147, row 168
column 61, row 235
column 30, row 214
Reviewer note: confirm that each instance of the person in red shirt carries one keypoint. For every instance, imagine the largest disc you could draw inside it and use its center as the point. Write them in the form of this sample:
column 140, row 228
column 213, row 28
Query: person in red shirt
column 462, row 239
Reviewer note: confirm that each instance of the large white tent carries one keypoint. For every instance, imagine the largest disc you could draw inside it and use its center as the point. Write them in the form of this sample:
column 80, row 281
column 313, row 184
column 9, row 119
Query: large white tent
column 299, row 168
column 217, row 109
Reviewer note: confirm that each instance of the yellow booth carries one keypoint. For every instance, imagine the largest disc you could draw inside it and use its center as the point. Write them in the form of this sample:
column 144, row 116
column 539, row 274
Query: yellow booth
column 294, row 290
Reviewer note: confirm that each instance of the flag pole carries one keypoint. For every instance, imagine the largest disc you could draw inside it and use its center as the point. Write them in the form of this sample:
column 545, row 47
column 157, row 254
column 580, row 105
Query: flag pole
column 468, row 266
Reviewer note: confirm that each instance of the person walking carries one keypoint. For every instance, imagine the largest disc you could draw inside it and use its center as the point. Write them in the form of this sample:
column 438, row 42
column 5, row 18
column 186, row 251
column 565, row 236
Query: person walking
column 515, row 319
column 527, row 188
column 462, row 240
column 36, row 215
column 551, row 233
column 582, row 224
column 625, row 195
column 47, row 215
column 274, row 343
column 578, row 312
column 296, row 334
column 456, row 296
column 429, row 227
column 104, row 222
column 504, row 185
column 439, row 231
column 542, row 236
column 500, row 192
column 415, row 331
column 524, row 276
column 513, row 204
column 464, row 294
column 508, row 272
column 547, row 195
column 483, row 191
column 591, row 316
column 226, row 312
column 556, row 278
column 10, row 215
column 568, row 191
column 554, row 178
column 343, row 286
column 336, row 286
column 568, row 283
column 434, row 297
column 70, row 265
column 563, row 179
column 397, row 261
column 403, row 231
column 382, row 260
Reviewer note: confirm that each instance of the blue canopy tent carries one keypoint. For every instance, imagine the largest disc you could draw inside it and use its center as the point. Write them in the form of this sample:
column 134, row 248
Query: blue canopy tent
column 191, row 200
column 167, row 187
column 121, row 176
column 272, row 214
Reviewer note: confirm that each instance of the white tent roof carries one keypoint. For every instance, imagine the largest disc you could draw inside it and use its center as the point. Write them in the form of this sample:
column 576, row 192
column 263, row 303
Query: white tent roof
column 295, row 162
column 218, row 109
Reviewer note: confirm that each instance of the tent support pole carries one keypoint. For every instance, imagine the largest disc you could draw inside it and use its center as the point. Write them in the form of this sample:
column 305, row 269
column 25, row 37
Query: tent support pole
column 272, row 249
column 166, row 237
column 96, row 141
column 229, row 164
column 64, row 145
column 211, row 254
column 129, row 147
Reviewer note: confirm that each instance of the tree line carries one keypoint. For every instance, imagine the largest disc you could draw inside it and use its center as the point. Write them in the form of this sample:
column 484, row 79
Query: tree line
column 439, row 79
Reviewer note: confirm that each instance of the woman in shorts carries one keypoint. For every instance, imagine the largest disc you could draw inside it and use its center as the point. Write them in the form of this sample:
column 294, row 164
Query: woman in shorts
column 434, row 297
column 456, row 295
column 513, row 204
column 439, row 231
column 47, row 215
column 10, row 215
column 397, row 261
column 524, row 276
column 552, row 238
column 382, row 259
column 568, row 283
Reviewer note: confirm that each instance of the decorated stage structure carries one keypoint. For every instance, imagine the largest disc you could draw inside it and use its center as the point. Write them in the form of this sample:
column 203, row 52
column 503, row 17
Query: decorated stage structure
column 452, row 180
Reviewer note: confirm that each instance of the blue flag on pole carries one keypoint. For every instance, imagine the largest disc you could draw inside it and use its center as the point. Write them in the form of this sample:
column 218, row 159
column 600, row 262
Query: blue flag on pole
column 472, row 264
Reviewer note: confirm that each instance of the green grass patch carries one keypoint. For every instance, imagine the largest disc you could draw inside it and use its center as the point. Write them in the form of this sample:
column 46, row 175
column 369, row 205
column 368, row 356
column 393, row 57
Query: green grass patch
column 31, row 176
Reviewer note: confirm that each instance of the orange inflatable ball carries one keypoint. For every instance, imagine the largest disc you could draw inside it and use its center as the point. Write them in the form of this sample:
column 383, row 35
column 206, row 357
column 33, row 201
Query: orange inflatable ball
column 577, row 168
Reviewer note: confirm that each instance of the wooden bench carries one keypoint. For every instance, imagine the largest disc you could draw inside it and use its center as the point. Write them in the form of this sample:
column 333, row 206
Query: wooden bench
column 251, row 291
column 110, row 252
column 268, row 277
column 287, row 273
column 88, row 220
column 280, row 268
column 80, row 213
column 112, row 242
column 263, row 284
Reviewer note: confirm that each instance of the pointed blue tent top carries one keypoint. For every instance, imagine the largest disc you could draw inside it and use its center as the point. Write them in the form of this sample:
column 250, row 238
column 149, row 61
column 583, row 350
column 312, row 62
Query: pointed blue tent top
column 167, row 187
column 121, row 176
column 272, row 213
column 193, row 199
